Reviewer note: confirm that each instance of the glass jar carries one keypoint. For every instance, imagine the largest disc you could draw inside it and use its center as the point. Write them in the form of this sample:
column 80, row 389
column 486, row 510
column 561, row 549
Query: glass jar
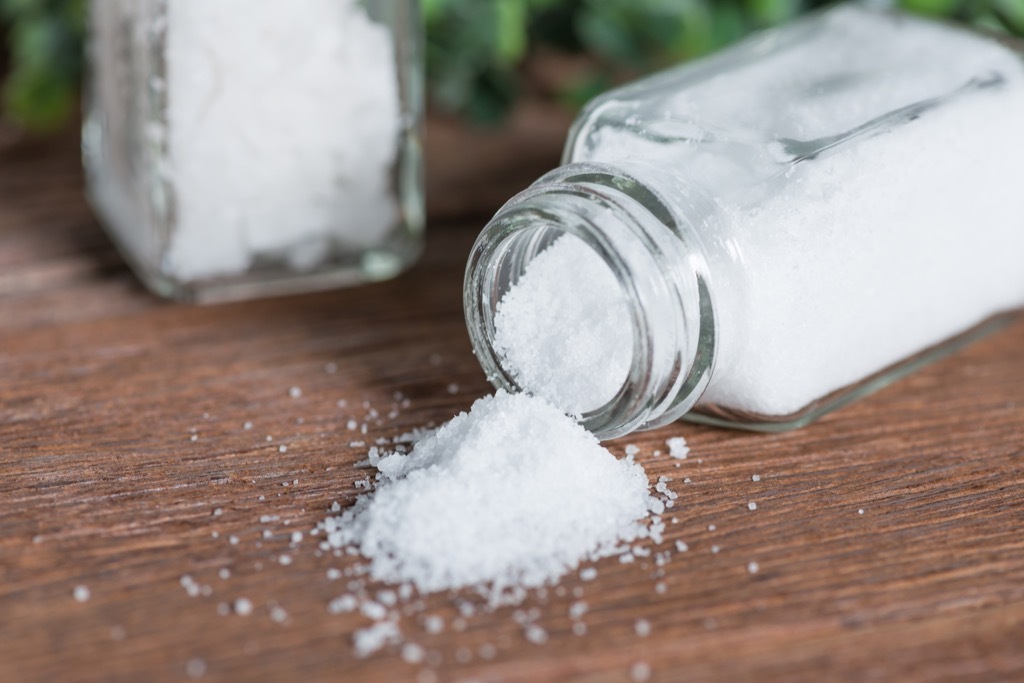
column 236, row 149
column 759, row 237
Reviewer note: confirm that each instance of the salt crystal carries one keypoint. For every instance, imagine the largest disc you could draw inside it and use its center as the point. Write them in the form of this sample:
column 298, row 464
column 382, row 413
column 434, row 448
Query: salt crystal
column 642, row 627
column 295, row 392
column 282, row 449
column 433, row 624
column 285, row 560
column 640, row 672
column 632, row 449
column 373, row 638
column 535, row 634
column 677, row 448
column 247, row 425
column 373, row 610
column 342, row 604
column 751, row 505
column 756, row 477
column 412, row 653
column 82, row 593
column 333, row 574
column 195, row 668
column 243, row 607
column 681, row 546
column 579, row 628
column 753, row 567
column 278, row 614
column 588, row 574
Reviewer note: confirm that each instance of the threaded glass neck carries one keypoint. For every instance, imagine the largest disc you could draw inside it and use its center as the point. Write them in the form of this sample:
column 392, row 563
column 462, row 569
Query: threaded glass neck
column 640, row 233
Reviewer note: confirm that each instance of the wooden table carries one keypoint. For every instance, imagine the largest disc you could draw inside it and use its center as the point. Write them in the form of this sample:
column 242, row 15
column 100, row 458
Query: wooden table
column 889, row 536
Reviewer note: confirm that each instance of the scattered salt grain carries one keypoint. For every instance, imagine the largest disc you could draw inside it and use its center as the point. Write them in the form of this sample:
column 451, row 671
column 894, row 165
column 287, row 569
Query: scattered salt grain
column 433, row 624
column 677, row 448
column 373, row 638
column 753, row 567
column 195, row 668
column 756, row 477
column 342, row 604
column 282, row 449
column 535, row 634
column 412, row 653
column 243, row 607
column 642, row 628
column 284, row 560
column 860, row 512
column 632, row 449
column 751, row 505
column 588, row 574
column 295, row 392
column 681, row 546
column 81, row 593
column 640, row 672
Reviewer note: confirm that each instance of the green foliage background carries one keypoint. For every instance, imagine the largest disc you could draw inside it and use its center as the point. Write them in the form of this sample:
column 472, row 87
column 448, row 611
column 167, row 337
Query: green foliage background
column 474, row 47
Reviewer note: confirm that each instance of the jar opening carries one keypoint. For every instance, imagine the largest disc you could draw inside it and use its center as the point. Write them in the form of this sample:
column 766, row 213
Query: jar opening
column 576, row 292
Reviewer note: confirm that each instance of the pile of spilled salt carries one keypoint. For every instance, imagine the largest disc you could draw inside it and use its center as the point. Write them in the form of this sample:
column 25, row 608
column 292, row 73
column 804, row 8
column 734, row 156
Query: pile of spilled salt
column 591, row 337
column 283, row 123
column 509, row 496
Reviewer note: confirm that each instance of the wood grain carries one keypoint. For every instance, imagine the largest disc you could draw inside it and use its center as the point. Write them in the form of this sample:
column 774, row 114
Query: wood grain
column 102, row 388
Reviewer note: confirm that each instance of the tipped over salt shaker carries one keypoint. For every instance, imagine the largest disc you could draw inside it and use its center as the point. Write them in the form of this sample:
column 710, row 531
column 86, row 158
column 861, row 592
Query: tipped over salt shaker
column 756, row 238
column 239, row 149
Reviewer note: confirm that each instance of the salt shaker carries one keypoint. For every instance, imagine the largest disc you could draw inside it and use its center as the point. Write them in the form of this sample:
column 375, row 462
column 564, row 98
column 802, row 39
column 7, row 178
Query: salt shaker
column 756, row 238
column 236, row 149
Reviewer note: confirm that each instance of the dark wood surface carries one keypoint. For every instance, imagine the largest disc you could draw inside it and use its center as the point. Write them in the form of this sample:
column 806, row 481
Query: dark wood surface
column 102, row 389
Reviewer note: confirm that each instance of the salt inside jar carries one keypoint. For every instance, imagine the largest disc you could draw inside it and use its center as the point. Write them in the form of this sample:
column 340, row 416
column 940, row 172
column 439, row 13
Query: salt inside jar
column 239, row 149
column 765, row 234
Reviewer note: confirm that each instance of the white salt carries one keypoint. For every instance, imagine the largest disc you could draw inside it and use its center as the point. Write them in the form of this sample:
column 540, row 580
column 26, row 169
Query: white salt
column 677, row 448
column 752, row 505
column 82, row 593
column 563, row 330
column 642, row 628
column 412, row 653
column 283, row 124
column 243, row 607
column 640, row 672
column 373, row 638
column 513, row 494
column 833, row 251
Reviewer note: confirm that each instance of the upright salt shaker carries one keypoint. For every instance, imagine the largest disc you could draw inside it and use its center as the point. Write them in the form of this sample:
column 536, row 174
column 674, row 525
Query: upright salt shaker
column 786, row 225
column 237, row 149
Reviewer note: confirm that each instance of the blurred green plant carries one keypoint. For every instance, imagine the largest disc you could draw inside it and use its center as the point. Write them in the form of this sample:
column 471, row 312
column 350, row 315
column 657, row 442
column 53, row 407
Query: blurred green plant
column 44, row 40
column 475, row 48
